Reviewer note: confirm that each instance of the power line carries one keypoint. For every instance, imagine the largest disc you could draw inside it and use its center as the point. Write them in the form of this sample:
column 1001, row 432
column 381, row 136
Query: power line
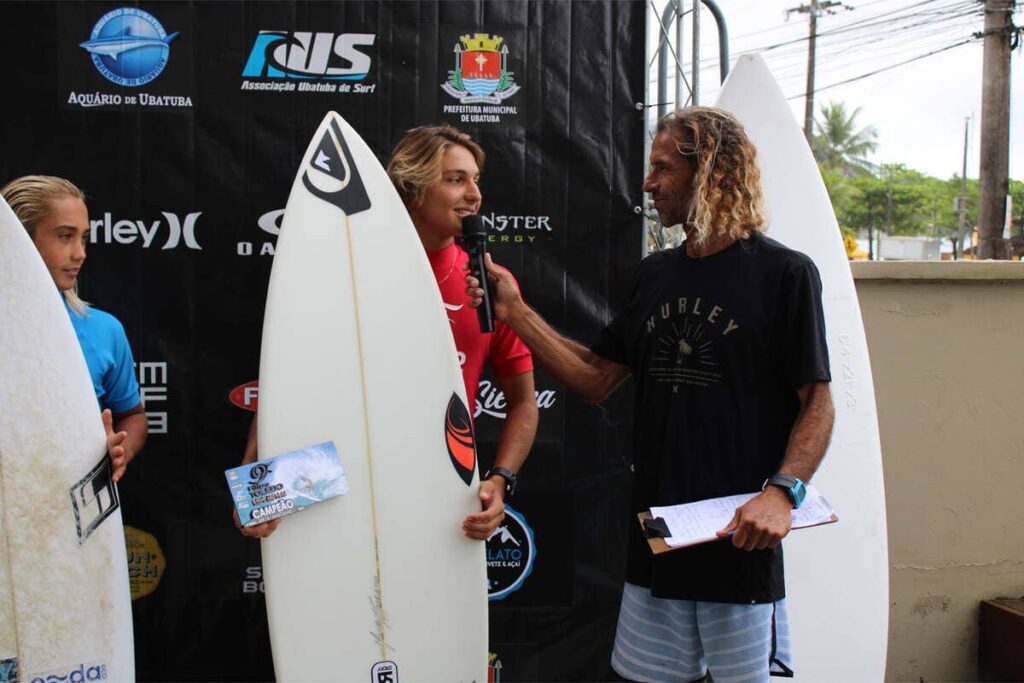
column 890, row 67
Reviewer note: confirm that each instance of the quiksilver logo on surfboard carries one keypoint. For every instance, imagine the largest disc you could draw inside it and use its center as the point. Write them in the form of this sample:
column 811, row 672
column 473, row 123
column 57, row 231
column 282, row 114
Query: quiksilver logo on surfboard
column 458, row 432
column 332, row 176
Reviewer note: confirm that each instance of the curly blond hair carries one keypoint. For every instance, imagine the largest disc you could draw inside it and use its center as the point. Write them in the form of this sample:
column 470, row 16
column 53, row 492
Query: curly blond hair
column 30, row 198
column 416, row 161
column 726, row 190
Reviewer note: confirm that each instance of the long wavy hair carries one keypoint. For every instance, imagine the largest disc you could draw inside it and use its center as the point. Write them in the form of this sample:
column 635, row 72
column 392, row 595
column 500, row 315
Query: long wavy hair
column 726, row 190
column 416, row 161
column 31, row 197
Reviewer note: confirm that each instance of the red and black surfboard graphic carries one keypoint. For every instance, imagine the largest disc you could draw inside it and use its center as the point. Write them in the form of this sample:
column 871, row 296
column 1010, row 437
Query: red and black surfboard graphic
column 458, row 432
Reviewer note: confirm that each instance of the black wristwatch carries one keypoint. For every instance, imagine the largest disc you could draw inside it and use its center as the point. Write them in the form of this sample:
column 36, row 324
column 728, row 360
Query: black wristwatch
column 511, row 481
column 793, row 486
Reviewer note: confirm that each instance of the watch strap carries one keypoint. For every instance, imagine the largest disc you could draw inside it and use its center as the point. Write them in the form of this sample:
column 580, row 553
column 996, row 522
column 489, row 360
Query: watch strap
column 792, row 485
column 511, row 480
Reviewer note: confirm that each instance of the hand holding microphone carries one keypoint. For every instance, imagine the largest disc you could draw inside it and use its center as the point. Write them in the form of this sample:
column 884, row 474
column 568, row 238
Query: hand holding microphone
column 474, row 239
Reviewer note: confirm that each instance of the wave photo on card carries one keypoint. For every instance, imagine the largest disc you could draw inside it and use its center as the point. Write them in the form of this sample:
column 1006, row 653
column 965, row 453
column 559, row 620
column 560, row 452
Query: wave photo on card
column 286, row 483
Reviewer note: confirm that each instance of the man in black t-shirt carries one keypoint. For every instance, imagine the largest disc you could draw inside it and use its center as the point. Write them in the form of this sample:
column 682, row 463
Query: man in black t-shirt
column 725, row 340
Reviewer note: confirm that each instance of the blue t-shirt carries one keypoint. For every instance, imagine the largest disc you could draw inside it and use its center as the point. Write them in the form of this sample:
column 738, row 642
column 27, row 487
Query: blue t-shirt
column 109, row 358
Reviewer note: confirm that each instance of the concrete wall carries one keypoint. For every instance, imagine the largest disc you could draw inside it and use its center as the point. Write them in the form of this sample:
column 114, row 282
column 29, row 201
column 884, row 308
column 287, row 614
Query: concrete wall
column 947, row 354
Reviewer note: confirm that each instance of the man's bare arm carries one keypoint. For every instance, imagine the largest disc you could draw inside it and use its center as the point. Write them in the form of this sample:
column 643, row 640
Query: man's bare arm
column 514, row 442
column 573, row 364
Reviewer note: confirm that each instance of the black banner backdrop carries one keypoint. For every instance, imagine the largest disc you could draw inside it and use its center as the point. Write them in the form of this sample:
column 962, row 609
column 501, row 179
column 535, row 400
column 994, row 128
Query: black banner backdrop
column 187, row 156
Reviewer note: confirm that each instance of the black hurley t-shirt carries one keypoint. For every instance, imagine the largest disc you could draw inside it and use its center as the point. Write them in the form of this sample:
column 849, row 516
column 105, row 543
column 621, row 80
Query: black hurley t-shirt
column 718, row 347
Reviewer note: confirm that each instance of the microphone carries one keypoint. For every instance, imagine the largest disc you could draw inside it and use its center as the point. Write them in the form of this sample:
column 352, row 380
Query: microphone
column 474, row 239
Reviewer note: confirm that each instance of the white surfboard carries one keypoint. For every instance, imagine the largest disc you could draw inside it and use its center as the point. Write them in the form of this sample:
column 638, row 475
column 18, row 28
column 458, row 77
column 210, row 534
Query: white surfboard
column 837, row 576
column 65, row 605
column 379, row 584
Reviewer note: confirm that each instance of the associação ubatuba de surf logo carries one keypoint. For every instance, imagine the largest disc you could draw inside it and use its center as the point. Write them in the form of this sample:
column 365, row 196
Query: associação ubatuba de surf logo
column 310, row 61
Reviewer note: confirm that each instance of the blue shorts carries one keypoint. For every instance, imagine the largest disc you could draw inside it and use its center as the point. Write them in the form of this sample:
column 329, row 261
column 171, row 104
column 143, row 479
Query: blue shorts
column 671, row 641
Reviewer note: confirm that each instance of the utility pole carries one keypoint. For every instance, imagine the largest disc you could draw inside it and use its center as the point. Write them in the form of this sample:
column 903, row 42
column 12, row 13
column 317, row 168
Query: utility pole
column 814, row 9
column 961, row 201
column 993, row 177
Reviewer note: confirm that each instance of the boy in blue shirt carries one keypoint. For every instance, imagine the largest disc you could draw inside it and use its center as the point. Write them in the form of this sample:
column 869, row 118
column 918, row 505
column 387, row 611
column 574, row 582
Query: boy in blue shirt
column 53, row 212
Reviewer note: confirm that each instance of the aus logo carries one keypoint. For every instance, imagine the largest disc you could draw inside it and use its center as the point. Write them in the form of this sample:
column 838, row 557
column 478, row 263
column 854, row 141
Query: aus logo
column 310, row 55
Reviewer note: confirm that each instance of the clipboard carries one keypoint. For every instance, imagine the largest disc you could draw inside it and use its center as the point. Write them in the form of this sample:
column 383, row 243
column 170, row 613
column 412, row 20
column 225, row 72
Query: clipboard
column 655, row 531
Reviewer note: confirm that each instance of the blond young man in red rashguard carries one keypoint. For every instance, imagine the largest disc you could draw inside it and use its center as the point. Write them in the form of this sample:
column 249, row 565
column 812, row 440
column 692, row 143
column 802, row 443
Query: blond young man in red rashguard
column 436, row 170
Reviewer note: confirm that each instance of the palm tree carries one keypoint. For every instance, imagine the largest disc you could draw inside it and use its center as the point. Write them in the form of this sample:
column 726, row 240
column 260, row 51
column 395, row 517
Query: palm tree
column 839, row 146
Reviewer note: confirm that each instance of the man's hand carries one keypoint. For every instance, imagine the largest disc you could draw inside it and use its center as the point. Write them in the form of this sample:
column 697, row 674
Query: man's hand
column 504, row 293
column 762, row 522
column 481, row 525
column 257, row 531
column 115, row 446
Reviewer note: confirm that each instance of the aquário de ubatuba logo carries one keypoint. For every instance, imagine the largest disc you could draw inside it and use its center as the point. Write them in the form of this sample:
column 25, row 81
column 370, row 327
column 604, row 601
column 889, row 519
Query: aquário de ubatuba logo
column 129, row 46
column 511, row 552
column 458, row 433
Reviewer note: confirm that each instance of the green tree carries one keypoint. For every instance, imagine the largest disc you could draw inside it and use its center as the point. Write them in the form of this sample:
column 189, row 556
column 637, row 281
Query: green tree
column 838, row 145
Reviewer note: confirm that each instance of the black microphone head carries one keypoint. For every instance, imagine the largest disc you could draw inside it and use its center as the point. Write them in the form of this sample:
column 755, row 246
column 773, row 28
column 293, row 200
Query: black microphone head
column 473, row 227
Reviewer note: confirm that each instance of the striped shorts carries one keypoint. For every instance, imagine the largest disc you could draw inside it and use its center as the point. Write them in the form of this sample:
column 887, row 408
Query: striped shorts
column 671, row 641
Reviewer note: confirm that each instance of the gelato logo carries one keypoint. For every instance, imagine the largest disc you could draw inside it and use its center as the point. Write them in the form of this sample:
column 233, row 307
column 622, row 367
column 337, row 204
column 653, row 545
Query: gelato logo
column 319, row 62
column 480, row 80
column 128, row 46
column 172, row 230
column 490, row 400
column 510, row 555
column 91, row 671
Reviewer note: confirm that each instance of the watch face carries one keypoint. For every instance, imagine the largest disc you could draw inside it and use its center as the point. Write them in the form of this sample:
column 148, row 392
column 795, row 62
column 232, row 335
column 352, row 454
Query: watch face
column 798, row 492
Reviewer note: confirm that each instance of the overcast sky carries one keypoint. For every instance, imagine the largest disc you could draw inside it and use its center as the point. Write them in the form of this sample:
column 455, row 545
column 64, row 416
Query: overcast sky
column 919, row 108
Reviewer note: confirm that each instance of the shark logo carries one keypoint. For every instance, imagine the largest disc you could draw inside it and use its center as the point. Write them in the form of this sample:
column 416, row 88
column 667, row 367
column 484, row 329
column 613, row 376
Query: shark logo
column 129, row 46
column 123, row 42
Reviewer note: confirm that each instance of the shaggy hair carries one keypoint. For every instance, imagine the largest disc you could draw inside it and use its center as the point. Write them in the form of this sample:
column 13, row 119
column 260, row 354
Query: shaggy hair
column 727, row 197
column 416, row 161
column 30, row 198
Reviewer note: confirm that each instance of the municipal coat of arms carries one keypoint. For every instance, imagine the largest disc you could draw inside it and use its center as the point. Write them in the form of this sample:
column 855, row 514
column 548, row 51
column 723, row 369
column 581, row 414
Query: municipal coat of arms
column 481, row 71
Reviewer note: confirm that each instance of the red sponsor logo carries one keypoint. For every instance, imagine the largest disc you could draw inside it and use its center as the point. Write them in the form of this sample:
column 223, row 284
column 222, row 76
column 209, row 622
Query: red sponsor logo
column 246, row 396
